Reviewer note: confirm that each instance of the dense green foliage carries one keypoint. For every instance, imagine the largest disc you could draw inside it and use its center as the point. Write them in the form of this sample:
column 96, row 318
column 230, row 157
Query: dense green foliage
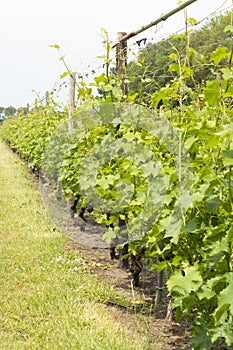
column 167, row 172
column 28, row 133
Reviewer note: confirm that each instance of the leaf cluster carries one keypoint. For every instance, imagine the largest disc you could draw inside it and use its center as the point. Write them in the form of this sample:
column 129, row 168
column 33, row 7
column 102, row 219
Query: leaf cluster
column 29, row 133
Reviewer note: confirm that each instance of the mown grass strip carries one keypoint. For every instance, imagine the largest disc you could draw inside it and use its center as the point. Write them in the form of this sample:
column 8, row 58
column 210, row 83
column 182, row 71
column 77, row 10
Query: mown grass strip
column 49, row 299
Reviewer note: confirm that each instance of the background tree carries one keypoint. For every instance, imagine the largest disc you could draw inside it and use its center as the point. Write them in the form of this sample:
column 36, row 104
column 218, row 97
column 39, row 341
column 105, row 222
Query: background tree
column 2, row 114
column 7, row 112
column 150, row 71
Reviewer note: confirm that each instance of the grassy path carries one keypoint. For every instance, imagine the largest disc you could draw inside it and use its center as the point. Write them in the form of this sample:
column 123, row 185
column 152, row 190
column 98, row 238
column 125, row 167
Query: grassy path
column 49, row 299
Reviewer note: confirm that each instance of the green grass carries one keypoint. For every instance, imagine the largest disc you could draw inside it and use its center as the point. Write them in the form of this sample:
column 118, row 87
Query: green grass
column 49, row 299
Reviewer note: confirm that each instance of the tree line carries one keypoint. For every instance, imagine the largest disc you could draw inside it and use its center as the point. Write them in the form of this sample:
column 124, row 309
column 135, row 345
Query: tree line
column 7, row 112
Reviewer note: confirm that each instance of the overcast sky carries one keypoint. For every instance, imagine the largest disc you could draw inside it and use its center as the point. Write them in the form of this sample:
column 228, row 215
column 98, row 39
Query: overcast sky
column 28, row 27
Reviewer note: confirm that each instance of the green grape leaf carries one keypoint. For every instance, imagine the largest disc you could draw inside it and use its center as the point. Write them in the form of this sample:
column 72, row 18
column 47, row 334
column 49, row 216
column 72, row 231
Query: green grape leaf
column 189, row 142
column 212, row 93
column 217, row 55
column 227, row 157
column 201, row 339
column 224, row 331
column 227, row 73
column 225, row 299
column 185, row 200
column 185, row 281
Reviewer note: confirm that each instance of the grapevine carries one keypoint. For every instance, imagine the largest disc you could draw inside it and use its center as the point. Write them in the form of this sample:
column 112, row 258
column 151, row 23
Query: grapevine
column 174, row 167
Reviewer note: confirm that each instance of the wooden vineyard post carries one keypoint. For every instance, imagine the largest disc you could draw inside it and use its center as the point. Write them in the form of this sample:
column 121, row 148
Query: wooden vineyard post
column 47, row 98
column 121, row 62
column 69, row 202
column 36, row 103
column 219, row 78
column 71, row 101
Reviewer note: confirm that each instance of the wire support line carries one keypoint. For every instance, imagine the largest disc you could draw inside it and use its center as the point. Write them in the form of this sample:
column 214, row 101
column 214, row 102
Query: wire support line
column 157, row 21
column 135, row 47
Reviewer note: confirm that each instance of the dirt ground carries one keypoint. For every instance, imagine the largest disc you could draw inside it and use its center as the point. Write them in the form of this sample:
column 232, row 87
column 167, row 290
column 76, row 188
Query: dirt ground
column 142, row 300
